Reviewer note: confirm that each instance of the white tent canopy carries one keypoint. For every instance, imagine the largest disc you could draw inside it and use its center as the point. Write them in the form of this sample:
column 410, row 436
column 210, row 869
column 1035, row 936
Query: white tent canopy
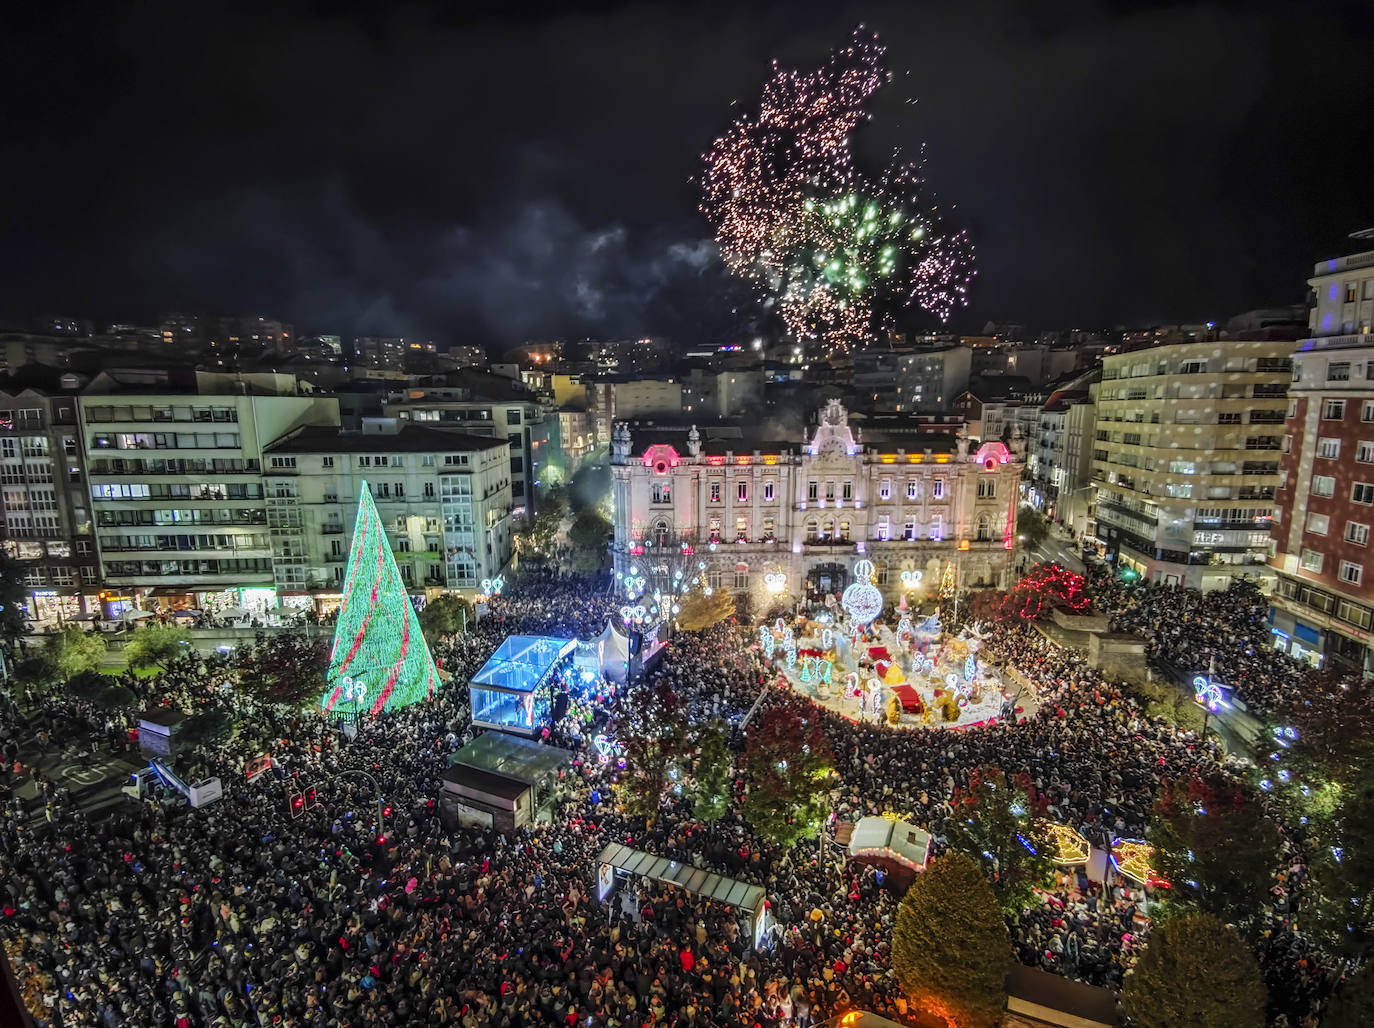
column 892, row 840
column 607, row 654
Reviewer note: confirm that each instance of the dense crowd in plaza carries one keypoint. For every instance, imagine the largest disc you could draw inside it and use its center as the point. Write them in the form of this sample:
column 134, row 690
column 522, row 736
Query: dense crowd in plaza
column 237, row 914
column 1224, row 634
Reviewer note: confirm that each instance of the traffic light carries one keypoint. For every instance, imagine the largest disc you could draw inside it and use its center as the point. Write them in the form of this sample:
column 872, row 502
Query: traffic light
column 295, row 802
column 310, row 800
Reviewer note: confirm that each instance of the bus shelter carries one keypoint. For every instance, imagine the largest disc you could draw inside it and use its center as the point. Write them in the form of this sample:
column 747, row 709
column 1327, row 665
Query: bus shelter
column 618, row 864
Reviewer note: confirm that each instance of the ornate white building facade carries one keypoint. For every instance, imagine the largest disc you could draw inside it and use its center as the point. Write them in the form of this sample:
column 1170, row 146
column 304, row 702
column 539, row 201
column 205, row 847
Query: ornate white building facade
column 752, row 511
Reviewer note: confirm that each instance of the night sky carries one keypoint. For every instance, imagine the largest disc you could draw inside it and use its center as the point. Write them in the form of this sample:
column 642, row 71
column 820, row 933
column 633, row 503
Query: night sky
column 491, row 177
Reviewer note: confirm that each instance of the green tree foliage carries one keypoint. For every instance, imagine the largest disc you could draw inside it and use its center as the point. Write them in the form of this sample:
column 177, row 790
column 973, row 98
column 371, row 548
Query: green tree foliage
column 1353, row 1004
column 787, row 771
column 700, row 611
column 652, row 732
column 74, row 650
column 1197, row 972
column 538, row 535
column 286, row 669
column 1031, row 527
column 115, row 697
column 87, row 686
column 446, row 614
column 589, row 536
column 1338, row 897
column 711, row 790
column 1217, row 848
column 995, row 825
column 11, row 599
column 156, row 646
column 950, row 947
column 211, row 728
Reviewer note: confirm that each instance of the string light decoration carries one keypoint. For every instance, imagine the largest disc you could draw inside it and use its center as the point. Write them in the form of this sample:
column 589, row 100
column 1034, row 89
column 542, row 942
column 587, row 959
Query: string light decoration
column 837, row 249
column 947, row 583
column 380, row 660
column 1134, row 858
column 861, row 599
column 1069, row 846
column 1047, row 584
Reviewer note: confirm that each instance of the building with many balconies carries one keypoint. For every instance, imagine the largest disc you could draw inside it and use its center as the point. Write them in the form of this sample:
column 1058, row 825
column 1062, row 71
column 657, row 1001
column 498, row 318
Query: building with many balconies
column 174, row 473
column 749, row 508
column 443, row 496
column 1186, row 458
column 1323, row 605
column 45, row 519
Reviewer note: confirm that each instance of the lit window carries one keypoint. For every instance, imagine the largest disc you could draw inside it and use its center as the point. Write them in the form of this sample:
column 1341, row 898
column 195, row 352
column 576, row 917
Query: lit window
column 1318, row 524
column 1312, row 560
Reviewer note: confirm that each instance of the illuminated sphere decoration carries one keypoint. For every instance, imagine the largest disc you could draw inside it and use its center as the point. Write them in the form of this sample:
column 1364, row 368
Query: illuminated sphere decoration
column 862, row 599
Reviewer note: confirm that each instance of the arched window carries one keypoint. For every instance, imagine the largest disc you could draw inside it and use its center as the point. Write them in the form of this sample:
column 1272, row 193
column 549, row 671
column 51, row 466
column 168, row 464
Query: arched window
column 812, row 528
column 741, row 576
column 984, row 528
column 828, row 529
column 660, row 532
column 844, row 531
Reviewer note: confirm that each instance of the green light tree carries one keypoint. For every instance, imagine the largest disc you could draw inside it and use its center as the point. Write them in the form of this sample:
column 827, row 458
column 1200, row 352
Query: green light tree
column 1195, row 971
column 380, row 660
column 950, row 946
column 995, row 825
column 787, row 770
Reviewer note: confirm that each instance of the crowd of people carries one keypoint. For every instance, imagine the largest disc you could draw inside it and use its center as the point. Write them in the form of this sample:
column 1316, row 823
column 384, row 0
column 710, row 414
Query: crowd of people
column 242, row 914
column 1224, row 634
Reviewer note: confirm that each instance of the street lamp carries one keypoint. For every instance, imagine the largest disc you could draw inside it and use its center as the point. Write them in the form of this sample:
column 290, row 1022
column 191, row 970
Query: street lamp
column 381, row 816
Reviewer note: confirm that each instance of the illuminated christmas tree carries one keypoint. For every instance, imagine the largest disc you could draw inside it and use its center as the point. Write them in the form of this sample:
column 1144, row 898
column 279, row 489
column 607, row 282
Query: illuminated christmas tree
column 380, row 660
column 947, row 582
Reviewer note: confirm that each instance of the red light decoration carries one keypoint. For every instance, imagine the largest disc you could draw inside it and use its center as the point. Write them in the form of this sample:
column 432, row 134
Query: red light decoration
column 1047, row 584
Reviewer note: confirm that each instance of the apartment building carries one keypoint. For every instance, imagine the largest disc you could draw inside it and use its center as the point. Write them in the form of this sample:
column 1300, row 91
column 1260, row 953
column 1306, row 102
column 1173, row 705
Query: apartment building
column 45, row 519
column 175, row 486
column 1060, row 460
column 444, row 497
column 1323, row 604
column 489, row 405
column 1186, row 458
column 920, row 379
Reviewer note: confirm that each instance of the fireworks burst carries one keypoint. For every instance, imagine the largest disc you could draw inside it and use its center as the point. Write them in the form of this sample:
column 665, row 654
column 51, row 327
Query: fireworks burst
column 837, row 249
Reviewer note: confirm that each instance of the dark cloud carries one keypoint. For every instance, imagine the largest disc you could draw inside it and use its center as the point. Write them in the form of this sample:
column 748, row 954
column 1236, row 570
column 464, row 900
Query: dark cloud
column 490, row 177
